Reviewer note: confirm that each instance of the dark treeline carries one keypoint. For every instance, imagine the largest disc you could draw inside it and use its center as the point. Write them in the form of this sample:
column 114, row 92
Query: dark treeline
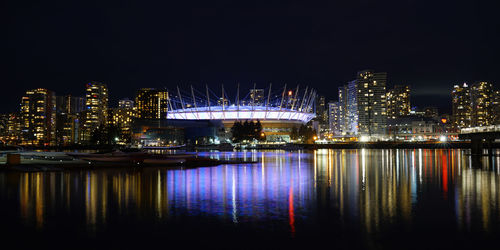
column 303, row 133
column 247, row 130
column 107, row 135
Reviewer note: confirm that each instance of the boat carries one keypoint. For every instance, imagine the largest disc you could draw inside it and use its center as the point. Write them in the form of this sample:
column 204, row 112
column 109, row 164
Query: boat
column 164, row 147
column 133, row 157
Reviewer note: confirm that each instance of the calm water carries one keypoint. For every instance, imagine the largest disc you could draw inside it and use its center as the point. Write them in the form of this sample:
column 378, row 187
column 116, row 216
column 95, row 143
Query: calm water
column 377, row 199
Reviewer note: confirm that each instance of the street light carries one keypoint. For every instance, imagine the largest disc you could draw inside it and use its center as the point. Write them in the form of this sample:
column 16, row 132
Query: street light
column 442, row 138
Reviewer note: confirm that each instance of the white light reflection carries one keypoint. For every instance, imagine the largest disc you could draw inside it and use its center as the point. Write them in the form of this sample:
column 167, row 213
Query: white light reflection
column 363, row 168
column 233, row 192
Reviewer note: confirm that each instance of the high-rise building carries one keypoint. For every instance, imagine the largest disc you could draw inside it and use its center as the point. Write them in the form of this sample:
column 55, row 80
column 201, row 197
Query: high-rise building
column 496, row 107
column 10, row 128
column 461, row 106
column 4, row 119
column 126, row 103
column 122, row 118
column 334, row 118
column 482, row 103
column 257, row 97
column 362, row 105
column 398, row 102
column 348, row 109
column 371, row 99
column 70, row 104
column 96, row 111
column 321, row 110
column 151, row 103
column 431, row 112
column 67, row 129
column 223, row 101
column 38, row 117
column 67, row 123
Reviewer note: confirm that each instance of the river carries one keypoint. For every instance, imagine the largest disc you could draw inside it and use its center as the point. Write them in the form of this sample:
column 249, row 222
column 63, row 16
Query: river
column 366, row 198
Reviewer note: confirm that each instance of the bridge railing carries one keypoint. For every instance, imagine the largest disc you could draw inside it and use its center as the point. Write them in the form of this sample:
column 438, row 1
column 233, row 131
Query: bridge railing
column 481, row 129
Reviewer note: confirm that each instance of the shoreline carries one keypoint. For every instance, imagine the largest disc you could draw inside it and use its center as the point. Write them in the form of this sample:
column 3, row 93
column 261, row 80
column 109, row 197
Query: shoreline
column 294, row 146
column 376, row 145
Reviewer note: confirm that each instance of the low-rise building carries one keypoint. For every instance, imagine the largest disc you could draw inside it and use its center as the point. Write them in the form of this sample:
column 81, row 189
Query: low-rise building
column 416, row 129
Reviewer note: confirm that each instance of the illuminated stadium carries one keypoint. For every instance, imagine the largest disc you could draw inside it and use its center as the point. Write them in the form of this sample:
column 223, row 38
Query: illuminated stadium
column 278, row 110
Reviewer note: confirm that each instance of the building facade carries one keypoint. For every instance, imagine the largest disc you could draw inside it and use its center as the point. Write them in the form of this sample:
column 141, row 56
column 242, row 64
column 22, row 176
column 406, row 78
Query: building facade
column 461, row 106
column 96, row 109
column 10, row 128
column 334, row 118
column 371, row 100
column 348, row 109
column 126, row 103
column 257, row 97
column 38, row 118
column 70, row 104
column 482, row 103
column 398, row 101
column 151, row 103
column 122, row 119
column 67, row 119
column 321, row 110
column 413, row 128
column 496, row 107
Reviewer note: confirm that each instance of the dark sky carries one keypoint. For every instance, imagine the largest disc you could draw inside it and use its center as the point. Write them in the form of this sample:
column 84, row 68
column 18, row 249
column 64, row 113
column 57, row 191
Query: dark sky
column 431, row 45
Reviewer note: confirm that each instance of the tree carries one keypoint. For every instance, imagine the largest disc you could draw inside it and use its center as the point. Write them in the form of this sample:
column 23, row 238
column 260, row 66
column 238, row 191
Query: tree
column 306, row 134
column 248, row 130
column 294, row 135
column 237, row 132
column 258, row 131
column 105, row 135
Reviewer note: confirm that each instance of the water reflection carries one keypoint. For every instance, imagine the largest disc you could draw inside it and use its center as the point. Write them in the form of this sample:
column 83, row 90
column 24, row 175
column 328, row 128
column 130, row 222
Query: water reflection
column 368, row 189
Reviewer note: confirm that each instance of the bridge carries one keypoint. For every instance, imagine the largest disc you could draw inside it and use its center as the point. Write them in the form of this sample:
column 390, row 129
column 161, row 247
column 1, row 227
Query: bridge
column 479, row 136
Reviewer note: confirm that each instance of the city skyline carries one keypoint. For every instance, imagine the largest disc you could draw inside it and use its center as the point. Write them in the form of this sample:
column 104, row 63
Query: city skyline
column 366, row 110
column 418, row 100
column 315, row 44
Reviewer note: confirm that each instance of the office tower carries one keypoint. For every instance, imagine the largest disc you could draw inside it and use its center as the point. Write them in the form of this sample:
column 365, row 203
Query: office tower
column 151, row 103
column 96, row 109
column 257, row 97
column 398, row 101
column 126, row 103
column 481, row 101
column 334, row 117
column 38, row 117
column 371, row 100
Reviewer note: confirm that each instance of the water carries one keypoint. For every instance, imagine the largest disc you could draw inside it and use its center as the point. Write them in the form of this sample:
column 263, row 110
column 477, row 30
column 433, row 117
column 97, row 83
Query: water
column 416, row 199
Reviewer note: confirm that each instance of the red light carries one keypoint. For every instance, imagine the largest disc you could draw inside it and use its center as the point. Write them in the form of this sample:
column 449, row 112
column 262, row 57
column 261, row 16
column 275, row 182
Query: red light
column 289, row 92
column 444, row 120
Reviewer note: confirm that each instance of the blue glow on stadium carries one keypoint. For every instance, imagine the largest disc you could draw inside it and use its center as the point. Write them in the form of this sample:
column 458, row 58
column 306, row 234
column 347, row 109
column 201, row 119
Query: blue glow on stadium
column 259, row 104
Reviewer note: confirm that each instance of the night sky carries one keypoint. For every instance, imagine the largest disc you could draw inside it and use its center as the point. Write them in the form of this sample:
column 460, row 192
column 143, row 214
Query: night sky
column 431, row 45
